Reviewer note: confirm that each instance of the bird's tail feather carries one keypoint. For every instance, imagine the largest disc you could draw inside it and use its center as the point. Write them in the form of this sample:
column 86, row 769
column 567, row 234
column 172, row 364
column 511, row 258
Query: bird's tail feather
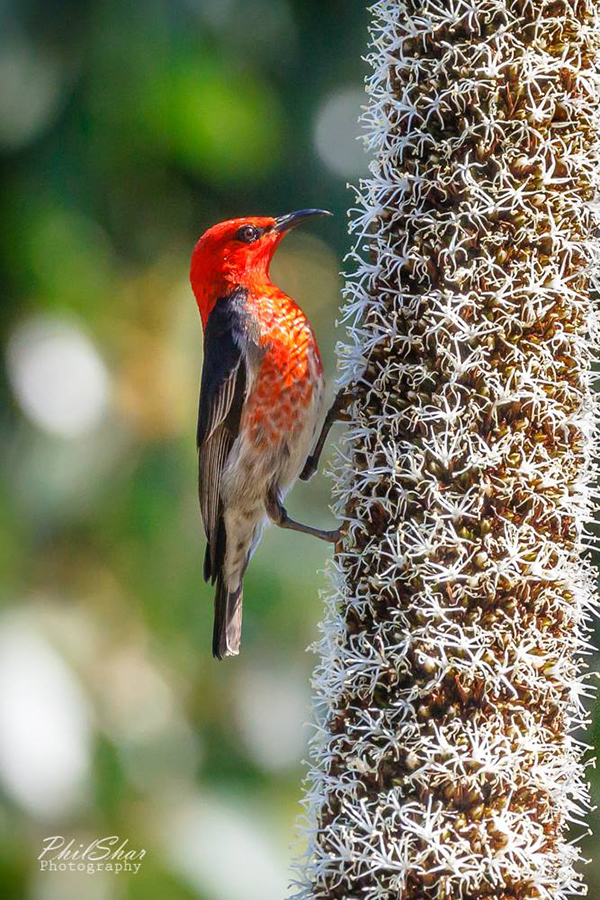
column 227, row 631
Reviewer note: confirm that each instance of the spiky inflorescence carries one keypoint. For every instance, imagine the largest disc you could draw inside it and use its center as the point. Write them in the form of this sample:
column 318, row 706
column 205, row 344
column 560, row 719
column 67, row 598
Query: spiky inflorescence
column 450, row 677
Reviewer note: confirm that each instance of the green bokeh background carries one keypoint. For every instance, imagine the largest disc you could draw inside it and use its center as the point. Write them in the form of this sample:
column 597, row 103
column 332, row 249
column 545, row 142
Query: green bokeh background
column 126, row 129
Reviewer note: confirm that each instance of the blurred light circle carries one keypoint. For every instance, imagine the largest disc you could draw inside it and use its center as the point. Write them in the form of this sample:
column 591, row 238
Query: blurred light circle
column 155, row 741
column 203, row 834
column 31, row 91
column 337, row 132
column 271, row 711
column 218, row 12
column 44, row 724
column 73, row 885
column 57, row 376
column 272, row 23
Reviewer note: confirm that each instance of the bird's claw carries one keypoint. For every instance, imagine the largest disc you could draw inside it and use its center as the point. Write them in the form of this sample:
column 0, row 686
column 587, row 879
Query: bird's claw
column 310, row 467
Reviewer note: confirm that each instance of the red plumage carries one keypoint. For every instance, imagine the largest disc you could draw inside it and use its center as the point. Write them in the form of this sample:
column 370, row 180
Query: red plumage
column 260, row 401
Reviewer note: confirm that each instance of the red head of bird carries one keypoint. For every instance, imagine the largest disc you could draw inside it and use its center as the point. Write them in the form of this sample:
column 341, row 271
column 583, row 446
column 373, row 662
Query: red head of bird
column 237, row 253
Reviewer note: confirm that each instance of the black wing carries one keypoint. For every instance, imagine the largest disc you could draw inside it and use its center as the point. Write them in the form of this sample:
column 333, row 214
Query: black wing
column 222, row 393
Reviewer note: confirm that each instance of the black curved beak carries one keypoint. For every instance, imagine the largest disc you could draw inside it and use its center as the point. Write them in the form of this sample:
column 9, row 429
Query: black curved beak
column 285, row 223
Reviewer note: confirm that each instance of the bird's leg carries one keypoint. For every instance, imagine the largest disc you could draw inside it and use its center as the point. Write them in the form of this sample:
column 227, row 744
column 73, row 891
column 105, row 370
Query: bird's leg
column 278, row 514
column 337, row 413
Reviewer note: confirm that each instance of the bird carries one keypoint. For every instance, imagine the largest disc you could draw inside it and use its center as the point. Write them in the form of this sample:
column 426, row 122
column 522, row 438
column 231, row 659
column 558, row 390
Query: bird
column 261, row 403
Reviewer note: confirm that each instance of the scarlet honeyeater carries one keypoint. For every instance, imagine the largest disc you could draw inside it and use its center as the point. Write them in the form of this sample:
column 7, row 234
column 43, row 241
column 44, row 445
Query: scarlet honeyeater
column 261, row 399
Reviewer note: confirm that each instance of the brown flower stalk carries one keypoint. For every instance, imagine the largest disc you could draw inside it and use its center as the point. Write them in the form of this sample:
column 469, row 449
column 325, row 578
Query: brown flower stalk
column 450, row 679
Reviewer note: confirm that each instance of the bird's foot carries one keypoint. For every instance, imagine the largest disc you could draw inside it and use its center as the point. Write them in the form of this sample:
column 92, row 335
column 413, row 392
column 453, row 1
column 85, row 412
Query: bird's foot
column 279, row 516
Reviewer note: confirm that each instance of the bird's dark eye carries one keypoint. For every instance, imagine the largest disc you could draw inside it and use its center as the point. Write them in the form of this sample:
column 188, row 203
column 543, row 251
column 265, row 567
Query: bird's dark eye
column 248, row 234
